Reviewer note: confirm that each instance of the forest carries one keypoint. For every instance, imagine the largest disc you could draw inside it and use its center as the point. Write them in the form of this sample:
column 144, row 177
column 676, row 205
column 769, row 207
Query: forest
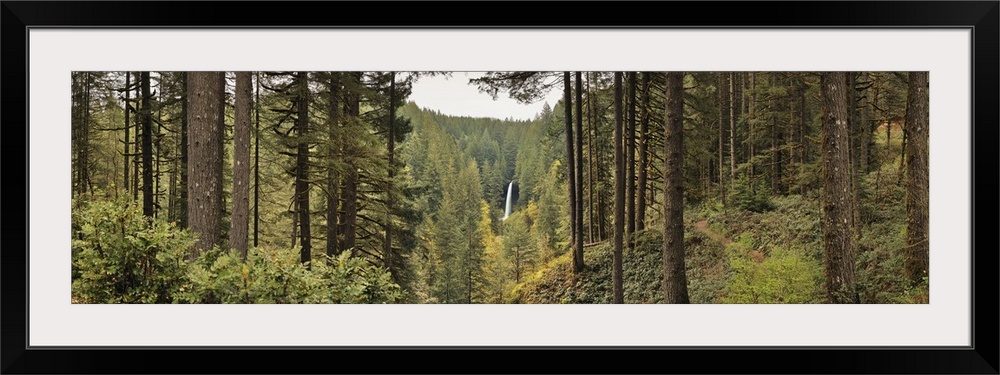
column 635, row 187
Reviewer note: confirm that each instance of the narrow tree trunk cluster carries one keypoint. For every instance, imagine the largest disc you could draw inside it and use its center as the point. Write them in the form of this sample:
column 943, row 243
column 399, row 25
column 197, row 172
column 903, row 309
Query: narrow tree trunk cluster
column 571, row 167
column 640, row 210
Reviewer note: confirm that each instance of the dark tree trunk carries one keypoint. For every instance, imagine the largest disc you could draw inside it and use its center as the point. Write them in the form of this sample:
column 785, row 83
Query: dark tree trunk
column 603, row 175
column 128, row 138
column 158, row 155
column 630, row 161
column 387, row 251
column 722, row 120
column 570, row 165
column 81, row 130
column 596, row 186
column 578, row 199
column 172, row 192
column 295, row 223
column 674, row 278
column 350, row 193
column 732, row 126
column 350, row 205
column 76, row 108
column 203, row 119
column 147, row 148
column 917, row 121
column 183, row 214
column 241, row 166
column 591, row 134
column 136, row 141
column 302, row 167
column 855, row 114
column 797, row 127
column 332, row 185
column 838, row 236
column 256, row 161
column 775, row 154
column 220, row 164
column 902, row 152
column 751, row 126
column 616, row 271
column 76, row 124
column 865, row 129
column 85, row 141
column 640, row 209
column 854, row 148
column 740, row 109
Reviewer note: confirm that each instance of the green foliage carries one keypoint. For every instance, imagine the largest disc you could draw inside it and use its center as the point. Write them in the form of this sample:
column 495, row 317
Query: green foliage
column 276, row 276
column 446, row 196
column 808, row 178
column 794, row 220
column 752, row 195
column 551, row 229
column 784, row 276
column 517, row 242
column 121, row 256
column 554, row 281
column 496, row 271
column 777, row 255
column 460, row 259
column 880, row 248
column 525, row 87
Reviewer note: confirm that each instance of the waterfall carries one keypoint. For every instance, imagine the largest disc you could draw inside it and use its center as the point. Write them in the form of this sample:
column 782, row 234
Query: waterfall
column 510, row 196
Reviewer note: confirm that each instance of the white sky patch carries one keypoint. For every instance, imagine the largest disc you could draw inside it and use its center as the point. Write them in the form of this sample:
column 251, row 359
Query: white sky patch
column 454, row 96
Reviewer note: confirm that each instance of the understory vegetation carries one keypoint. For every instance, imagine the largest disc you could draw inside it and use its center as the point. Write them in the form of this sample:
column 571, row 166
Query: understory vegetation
column 634, row 187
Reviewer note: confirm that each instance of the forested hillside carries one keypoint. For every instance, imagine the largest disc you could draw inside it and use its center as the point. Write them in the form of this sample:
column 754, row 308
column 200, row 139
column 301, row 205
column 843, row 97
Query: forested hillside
column 635, row 187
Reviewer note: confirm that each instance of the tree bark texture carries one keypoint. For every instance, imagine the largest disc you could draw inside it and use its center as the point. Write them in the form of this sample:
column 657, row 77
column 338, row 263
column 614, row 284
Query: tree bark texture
column 616, row 271
column 570, row 165
column 238, row 234
column 302, row 167
column 147, row 148
column 838, row 236
column 578, row 199
column 204, row 202
column 332, row 182
column 917, row 184
column 674, row 278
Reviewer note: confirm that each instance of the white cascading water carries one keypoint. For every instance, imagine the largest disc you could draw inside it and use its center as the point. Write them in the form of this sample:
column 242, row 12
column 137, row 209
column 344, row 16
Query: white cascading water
column 510, row 189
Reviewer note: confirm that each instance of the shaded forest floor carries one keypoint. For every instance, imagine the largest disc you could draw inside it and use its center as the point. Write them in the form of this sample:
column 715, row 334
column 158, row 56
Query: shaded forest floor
column 719, row 268
column 642, row 272
column 734, row 256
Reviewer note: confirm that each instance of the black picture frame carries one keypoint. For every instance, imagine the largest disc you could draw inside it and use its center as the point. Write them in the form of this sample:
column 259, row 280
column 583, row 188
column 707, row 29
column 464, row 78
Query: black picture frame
column 981, row 17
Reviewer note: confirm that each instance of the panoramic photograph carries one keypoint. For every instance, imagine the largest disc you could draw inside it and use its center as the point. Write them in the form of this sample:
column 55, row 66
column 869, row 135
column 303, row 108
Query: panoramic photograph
column 592, row 187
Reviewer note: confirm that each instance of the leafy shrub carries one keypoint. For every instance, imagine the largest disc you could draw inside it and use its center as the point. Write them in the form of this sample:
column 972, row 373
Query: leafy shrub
column 642, row 277
column 121, row 256
column 277, row 276
column 786, row 276
column 880, row 258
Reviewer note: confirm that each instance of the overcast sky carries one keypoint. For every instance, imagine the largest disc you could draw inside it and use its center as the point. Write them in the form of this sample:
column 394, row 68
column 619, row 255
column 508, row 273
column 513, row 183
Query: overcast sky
column 455, row 96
